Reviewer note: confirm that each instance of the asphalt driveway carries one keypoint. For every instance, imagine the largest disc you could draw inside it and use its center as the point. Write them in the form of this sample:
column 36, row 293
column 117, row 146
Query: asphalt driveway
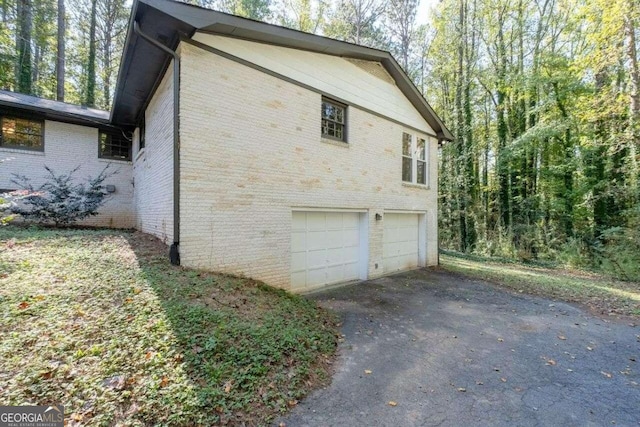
column 456, row 352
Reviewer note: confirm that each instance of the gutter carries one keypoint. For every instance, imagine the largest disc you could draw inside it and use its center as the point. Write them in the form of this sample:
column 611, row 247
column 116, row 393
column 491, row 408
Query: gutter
column 174, row 254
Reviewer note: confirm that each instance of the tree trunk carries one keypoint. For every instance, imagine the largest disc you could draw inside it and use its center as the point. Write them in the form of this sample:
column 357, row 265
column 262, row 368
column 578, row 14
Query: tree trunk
column 60, row 58
column 23, row 44
column 35, row 74
column 91, row 66
column 634, row 95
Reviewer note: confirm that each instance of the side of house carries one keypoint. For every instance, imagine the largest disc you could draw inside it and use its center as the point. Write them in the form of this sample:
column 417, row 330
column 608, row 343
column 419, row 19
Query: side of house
column 287, row 157
column 292, row 175
column 153, row 164
column 29, row 141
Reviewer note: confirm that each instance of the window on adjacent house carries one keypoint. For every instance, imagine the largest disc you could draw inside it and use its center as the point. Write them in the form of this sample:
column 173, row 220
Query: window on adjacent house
column 142, row 135
column 22, row 133
column 414, row 159
column 113, row 145
column 334, row 120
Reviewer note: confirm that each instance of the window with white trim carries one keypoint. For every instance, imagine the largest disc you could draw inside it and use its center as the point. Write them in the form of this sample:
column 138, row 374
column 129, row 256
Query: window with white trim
column 414, row 159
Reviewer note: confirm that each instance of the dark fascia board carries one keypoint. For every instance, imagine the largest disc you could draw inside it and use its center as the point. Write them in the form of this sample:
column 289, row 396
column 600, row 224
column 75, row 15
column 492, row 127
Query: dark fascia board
column 194, row 18
column 143, row 66
column 21, row 104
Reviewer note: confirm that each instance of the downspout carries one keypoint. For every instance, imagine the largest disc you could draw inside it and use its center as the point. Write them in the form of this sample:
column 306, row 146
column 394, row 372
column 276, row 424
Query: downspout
column 174, row 254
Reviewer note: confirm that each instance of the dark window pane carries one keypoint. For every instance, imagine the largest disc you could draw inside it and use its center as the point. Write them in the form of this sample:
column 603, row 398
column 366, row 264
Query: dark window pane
column 333, row 120
column 422, row 175
column 406, row 169
column 406, row 144
column 114, row 146
column 142, row 136
column 22, row 133
column 421, row 149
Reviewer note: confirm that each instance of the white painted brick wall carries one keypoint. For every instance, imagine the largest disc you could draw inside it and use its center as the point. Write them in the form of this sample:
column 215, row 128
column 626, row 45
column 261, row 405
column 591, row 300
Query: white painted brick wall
column 251, row 151
column 67, row 146
column 153, row 167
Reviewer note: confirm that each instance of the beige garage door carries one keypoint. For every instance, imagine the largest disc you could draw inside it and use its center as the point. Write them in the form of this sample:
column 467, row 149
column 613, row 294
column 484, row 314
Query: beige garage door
column 400, row 244
column 325, row 248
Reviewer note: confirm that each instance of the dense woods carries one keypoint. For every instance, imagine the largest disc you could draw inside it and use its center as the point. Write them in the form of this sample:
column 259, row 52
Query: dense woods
column 543, row 97
column 64, row 50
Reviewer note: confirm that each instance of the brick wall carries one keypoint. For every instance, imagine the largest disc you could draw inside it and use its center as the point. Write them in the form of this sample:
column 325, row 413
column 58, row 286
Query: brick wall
column 67, row 146
column 153, row 166
column 251, row 151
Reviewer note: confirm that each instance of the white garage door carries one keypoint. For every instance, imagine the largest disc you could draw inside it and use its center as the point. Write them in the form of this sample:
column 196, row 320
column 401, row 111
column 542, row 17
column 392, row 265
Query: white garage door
column 325, row 248
column 400, row 244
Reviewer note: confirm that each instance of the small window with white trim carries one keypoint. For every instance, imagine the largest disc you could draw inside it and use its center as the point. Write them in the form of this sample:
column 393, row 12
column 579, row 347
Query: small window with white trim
column 415, row 159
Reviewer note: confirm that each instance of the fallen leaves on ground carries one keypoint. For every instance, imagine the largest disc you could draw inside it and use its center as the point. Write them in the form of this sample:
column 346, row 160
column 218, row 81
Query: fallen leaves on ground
column 392, row 403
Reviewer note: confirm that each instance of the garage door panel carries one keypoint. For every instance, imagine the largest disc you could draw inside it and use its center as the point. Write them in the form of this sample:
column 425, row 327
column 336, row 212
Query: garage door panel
column 351, row 270
column 335, row 256
column 334, row 239
column 298, row 241
column 334, row 220
column 388, row 250
column 400, row 242
column 351, row 254
column 335, row 273
column 298, row 261
column 407, row 220
column 326, row 249
column 316, row 240
column 407, row 234
column 316, row 277
column 350, row 221
column 317, row 258
column 298, row 279
column 298, row 222
column 351, row 238
column 390, row 220
column 316, row 221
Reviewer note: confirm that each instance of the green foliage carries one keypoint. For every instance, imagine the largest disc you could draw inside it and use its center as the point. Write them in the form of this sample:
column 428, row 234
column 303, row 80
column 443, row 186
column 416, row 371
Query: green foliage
column 600, row 293
column 539, row 96
column 617, row 252
column 133, row 340
column 60, row 200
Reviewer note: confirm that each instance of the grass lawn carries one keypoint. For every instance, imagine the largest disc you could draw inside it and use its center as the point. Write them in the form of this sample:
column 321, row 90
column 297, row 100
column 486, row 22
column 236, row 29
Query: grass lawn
column 98, row 321
column 601, row 294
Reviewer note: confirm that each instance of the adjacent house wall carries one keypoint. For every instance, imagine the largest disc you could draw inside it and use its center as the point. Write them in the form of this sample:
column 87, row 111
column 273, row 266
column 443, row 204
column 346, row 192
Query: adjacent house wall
column 251, row 151
column 153, row 166
column 67, row 146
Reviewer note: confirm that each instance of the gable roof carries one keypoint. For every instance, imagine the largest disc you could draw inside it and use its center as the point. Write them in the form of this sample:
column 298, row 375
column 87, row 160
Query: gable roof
column 168, row 21
column 54, row 110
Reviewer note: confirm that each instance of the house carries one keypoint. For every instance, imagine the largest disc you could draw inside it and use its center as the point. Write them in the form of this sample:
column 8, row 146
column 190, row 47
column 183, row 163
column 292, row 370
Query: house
column 254, row 149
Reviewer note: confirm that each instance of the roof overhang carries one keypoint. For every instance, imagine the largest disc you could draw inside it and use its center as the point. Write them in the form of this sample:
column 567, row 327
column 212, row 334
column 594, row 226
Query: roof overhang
column 13, row 102
column 168, row 21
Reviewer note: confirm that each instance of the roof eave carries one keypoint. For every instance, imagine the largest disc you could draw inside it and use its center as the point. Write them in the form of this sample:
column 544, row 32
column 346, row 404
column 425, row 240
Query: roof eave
column 205, row 20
